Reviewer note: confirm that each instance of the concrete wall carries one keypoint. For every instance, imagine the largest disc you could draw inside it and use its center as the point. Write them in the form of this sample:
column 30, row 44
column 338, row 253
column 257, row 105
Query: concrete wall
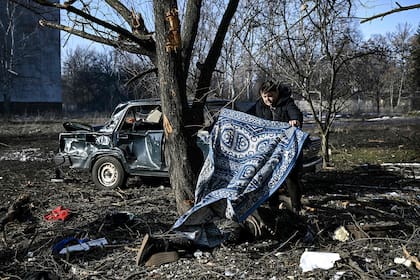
column 37, row 87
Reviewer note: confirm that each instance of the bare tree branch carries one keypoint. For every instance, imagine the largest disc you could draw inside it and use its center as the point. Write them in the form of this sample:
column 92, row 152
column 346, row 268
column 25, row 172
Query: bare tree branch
column 145, row 41
column 120, row 9
column 140, row 75
column 71, row 2
column 400, row 9
column 135, row 20
column 189, row 31
column 132, row 48
column 209, row 64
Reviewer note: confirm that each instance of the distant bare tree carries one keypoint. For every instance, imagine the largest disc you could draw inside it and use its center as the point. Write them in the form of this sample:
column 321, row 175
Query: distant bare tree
column 236, row 68
column 91, row 81
column 415, row 60
column 400, row 42
column 310, row 45
column 137, row 76
column 371, row 73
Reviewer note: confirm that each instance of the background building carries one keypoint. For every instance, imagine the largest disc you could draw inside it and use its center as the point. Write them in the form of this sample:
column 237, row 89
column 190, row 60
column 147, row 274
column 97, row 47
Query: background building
column 30, row 66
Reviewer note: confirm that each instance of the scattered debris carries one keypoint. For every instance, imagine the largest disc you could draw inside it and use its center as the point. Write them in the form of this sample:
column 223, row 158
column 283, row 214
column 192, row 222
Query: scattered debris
column 58, row 213
column 409, row 170
column 161, row 258
column 83, row 245
column 341, row 234
column 377, row 229
column 144, row 249
column 24, row 155
column 119, row 218
column 17, row 210
column 4, row 145
column 313, row 260
column 402, row 261
column 55, row 180
column 411, row 258
column 30, row 184
column 362, row 200
column 338, row 275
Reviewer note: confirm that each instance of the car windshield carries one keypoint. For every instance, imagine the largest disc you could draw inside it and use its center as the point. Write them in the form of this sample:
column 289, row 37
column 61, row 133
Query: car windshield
column 113, row 120
column 139, row 112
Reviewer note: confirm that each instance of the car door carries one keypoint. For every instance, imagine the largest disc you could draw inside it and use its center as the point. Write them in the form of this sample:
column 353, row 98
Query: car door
column 141, row 141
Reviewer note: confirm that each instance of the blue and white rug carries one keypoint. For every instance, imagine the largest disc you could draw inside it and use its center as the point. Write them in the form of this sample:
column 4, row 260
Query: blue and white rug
column 249, row 158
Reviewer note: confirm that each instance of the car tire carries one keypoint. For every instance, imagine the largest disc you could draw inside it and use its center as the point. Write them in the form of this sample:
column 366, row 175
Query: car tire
column 107, row 172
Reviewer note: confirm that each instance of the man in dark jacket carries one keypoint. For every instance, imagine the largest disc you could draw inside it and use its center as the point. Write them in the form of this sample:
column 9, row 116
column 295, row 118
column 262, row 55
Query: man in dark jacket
column 276, row 104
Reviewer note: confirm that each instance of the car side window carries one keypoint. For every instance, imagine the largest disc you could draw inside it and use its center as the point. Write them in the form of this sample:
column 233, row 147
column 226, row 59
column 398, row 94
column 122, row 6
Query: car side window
column 129, row 120
column 148, row 118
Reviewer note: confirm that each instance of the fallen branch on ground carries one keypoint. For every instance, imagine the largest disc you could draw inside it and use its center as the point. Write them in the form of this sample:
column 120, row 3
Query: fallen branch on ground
column 15, row 210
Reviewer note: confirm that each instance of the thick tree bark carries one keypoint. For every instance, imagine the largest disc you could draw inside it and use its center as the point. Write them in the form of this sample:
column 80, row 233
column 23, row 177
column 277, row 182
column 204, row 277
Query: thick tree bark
column 173, row 98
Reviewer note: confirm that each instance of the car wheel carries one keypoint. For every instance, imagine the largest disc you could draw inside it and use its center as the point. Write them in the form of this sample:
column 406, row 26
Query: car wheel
column 108, row 172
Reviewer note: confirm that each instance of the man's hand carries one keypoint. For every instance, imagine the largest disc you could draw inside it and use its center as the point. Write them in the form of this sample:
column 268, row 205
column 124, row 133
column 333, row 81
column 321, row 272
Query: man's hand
column 295, row 123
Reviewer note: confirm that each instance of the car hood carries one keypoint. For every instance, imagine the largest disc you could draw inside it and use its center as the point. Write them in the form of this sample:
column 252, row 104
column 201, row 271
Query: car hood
column 77, row 126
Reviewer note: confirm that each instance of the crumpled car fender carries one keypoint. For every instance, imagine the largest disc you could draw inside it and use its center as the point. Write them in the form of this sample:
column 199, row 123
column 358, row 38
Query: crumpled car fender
column 114, row 152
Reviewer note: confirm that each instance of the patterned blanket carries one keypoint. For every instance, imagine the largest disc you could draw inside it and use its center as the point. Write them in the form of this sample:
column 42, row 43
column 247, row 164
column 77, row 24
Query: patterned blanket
column 249, row 158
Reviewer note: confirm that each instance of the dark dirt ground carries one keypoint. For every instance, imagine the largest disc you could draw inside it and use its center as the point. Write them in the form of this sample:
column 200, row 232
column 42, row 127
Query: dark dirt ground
column 380, row 209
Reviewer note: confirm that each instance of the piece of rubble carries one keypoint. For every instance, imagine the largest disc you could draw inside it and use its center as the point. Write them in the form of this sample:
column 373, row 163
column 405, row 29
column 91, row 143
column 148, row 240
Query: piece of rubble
column 84, row 246
column 162, row 258
column 378, row 229
column 402, row 261
column 55, row 180
column 313, row 260
column 413, row 259
column 17, row 210
column 341, row 234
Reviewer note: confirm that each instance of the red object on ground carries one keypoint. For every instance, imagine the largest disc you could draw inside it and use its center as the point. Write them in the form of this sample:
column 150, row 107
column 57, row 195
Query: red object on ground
column 58, row 213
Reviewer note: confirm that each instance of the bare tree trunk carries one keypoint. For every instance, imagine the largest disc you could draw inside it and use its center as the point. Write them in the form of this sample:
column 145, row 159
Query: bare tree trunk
column 391, row 99
column 172, row 93
column 324, row 148
column 209, row 64
column 400, row 88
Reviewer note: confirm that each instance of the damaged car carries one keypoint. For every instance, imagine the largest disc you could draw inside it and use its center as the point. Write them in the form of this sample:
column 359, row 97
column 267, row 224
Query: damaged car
column 132, row 143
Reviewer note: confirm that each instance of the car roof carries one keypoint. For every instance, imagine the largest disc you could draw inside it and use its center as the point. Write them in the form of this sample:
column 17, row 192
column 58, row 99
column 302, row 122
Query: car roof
column 137, row 102
column 149, row 101
column 156, row 101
